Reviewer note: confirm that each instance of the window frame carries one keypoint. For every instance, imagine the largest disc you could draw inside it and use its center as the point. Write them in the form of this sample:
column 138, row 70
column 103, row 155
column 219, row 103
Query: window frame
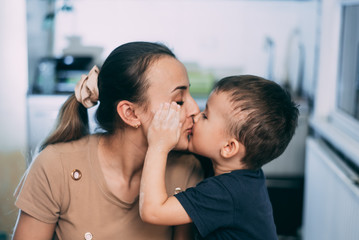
column 334, row 125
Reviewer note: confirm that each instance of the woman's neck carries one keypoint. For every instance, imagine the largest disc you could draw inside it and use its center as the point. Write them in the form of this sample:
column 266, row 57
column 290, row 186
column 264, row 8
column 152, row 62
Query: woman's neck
column 122, row 154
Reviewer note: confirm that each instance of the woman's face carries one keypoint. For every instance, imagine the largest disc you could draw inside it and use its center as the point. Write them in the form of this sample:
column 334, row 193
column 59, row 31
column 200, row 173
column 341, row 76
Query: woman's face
column 169, row 83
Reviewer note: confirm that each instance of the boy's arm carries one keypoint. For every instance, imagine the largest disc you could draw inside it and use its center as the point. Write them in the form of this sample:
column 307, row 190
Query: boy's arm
column 155, row 205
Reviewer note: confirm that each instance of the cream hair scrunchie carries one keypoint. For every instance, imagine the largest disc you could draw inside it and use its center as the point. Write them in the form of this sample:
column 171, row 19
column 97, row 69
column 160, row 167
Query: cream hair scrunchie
column 86, row 90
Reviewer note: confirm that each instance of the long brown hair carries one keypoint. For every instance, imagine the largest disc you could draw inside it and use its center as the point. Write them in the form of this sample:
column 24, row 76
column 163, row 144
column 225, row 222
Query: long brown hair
column 72, row 123
column 122, row 77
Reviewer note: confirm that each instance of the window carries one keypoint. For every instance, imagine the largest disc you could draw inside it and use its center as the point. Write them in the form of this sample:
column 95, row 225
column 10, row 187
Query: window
column 346, row 116
column 348, row 81
column 336, row 113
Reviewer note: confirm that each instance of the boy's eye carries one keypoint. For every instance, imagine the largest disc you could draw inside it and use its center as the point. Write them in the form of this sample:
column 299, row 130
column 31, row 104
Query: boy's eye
column 204, row 115
column 180, row 103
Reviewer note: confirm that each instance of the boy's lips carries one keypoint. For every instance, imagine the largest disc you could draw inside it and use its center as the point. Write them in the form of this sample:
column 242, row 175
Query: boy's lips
column 189, row 130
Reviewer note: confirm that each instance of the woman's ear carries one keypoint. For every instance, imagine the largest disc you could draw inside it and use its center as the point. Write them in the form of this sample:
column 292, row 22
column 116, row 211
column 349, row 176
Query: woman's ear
column 126, row 110
column 233, row 147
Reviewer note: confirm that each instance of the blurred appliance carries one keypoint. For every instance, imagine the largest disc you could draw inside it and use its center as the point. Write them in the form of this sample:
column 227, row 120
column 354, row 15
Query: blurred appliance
column 285, row 180
column 55, row 80
column 291, row 162
column 60, row 75
column 42, row 114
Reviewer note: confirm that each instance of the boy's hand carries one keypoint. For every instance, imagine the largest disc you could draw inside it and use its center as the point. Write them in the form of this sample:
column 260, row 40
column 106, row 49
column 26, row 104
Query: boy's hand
column 163, row 134
column 164, row 131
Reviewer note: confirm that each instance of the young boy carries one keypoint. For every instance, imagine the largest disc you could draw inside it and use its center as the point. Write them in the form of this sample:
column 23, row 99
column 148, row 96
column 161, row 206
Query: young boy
column 248, row 121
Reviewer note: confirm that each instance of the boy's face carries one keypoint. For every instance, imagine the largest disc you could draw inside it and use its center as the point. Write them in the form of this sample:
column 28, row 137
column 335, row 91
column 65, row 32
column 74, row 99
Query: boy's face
column 210, row 132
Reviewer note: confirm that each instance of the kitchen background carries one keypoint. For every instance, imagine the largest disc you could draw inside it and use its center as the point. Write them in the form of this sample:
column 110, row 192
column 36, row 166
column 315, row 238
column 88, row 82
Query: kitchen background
column 310, row 47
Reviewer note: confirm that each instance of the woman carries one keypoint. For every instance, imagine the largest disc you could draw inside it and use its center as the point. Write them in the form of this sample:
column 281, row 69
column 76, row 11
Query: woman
column 85, row 186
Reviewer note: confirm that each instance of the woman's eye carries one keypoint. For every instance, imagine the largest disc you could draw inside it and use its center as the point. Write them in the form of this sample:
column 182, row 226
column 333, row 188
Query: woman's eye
column 180, row 103
column 204, row 116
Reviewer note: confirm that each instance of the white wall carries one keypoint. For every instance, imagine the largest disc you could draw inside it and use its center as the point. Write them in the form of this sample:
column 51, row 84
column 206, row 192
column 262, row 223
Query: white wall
column 215, row 34
column 13, row 86
column 14, row 75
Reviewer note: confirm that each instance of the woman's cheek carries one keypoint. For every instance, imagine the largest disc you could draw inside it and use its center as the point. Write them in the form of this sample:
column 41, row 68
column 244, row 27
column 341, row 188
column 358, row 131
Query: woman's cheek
column 146, row 119
column 182, row 116
column 183, row 141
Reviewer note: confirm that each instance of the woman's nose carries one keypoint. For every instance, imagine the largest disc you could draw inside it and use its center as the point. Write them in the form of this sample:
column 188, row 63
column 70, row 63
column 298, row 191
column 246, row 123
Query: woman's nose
column 193, row 108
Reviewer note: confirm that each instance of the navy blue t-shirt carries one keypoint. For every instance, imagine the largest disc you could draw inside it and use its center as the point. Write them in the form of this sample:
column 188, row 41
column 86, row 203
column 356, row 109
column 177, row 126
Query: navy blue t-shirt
column 234, row 205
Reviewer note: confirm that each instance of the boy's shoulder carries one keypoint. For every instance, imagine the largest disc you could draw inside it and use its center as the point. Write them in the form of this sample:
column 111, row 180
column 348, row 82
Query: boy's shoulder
column 237, row 181
column 242, row 174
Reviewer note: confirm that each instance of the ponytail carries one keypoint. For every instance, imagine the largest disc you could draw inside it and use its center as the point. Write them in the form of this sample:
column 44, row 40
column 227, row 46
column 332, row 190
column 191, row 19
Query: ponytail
column 72, row 123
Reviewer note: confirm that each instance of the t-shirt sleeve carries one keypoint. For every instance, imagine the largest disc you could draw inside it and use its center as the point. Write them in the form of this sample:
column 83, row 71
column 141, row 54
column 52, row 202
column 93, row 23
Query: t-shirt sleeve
column 209, row 205
column 40, row 190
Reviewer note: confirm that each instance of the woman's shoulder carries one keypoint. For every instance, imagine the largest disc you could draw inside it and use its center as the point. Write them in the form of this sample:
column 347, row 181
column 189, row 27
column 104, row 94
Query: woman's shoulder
column 185, row 160
column 60, row 153
column 73, row 146
column 183, row 170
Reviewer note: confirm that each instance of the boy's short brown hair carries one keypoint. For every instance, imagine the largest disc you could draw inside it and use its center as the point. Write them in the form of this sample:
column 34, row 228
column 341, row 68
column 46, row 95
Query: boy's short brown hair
column 264, row 117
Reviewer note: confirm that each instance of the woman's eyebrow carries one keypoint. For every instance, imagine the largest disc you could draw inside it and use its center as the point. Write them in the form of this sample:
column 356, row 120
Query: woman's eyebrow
column 180, row 88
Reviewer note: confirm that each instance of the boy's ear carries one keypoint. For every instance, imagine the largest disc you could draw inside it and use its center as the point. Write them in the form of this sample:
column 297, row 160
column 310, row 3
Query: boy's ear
column 233, row 147
column 126, row 110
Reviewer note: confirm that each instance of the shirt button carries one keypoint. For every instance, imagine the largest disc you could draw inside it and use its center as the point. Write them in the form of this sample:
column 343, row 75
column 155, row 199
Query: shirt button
column 76, row 174
column 178, row 190
column 88, row 236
